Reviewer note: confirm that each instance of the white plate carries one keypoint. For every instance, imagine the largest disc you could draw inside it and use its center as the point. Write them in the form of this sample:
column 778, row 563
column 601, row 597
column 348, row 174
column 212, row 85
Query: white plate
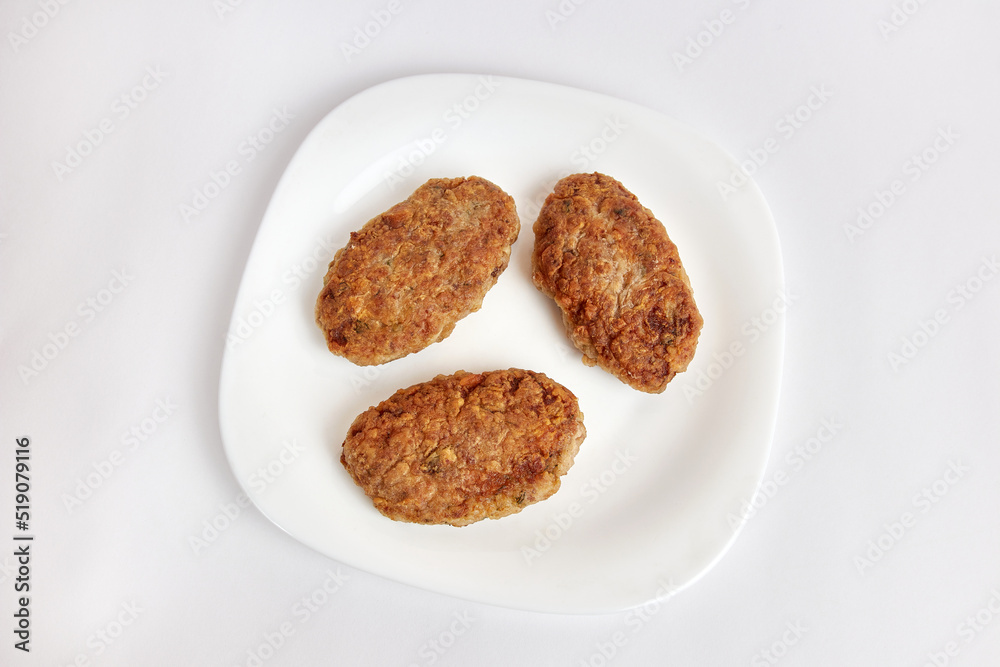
column 654, row 498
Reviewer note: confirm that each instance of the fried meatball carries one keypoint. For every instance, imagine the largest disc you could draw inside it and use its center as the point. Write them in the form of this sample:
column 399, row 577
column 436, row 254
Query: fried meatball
column 411, row 273
column 607, row 261
column 465, row 447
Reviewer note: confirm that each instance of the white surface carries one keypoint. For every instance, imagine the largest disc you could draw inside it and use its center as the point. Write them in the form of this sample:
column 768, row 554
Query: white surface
column 896, row 431
column 658, row 476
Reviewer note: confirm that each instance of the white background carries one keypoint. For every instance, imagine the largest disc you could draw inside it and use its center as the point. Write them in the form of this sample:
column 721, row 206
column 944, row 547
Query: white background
column 874, row 551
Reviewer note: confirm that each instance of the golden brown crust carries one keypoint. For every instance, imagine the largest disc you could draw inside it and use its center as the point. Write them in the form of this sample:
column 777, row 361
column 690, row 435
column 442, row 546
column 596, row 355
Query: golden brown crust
column 406, row 278
column 607, row 261
column 465, row 447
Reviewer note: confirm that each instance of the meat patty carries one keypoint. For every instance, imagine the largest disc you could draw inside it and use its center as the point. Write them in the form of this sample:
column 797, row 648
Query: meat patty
column 411, row 273
column 465, row 447
column 607, row 261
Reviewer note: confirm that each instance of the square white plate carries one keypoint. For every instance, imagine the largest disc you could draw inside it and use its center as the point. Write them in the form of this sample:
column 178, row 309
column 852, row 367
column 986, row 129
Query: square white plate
column 654, row 498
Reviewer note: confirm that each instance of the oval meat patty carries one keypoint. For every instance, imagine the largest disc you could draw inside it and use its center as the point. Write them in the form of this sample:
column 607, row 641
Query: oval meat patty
column 465, row 447
column 406, row 278
column 607, row 261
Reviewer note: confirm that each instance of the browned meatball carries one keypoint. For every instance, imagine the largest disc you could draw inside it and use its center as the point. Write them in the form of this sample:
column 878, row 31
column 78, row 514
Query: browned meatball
column 607, row 261
column 465, row 447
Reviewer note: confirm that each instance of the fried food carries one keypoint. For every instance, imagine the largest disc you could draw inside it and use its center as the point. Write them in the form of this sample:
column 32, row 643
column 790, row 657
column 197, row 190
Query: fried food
column 465, row 447
column 626, row 301
column 405, row 279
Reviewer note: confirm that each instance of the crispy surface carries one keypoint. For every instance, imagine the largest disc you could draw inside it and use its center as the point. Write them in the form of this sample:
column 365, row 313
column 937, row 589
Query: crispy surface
column 406, row 278
column 607, row 261
column 465, row 447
